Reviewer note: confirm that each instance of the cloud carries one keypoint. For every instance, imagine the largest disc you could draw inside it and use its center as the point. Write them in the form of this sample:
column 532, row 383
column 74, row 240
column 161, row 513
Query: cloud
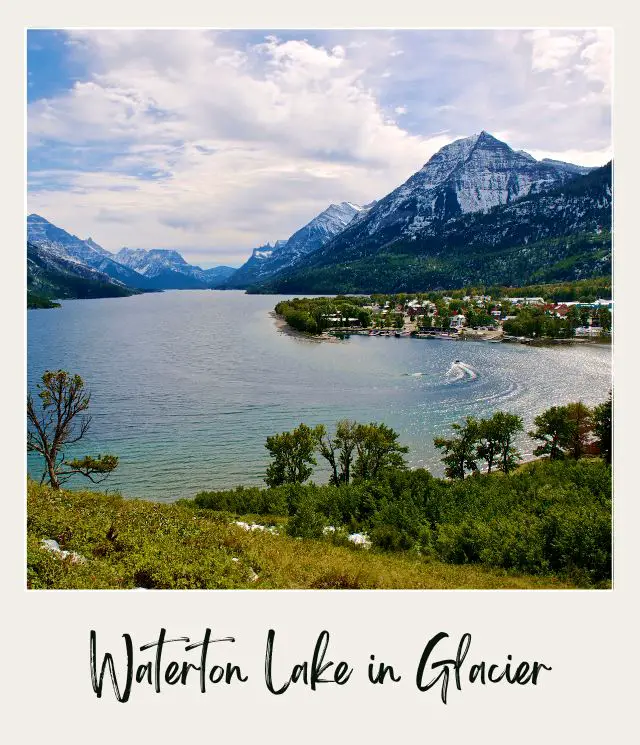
column 215, row 142
column 550, row 51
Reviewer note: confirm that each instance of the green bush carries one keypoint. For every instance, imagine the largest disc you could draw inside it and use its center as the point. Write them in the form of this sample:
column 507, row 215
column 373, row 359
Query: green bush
column 307, row 522
column 548, row 516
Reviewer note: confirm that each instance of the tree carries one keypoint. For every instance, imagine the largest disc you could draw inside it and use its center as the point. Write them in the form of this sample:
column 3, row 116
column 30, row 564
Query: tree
column 580, row 418
column 563, row 431
column 507, row 426
column 60, row 419
column 602, row 428
column 377, row 449
column 339, row 449
column 292, row 454
column 604, row 318
column 552, row 430
column 460, row 452
column 488, row 447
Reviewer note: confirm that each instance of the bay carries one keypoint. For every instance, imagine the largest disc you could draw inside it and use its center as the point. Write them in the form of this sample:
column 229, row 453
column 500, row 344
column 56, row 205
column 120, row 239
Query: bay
column 187, row 385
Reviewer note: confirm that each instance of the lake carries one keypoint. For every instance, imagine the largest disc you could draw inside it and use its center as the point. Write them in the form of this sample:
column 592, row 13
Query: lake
column 187, row 385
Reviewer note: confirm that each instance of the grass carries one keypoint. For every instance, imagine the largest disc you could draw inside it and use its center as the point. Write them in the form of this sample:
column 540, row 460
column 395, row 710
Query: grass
column 135, row 543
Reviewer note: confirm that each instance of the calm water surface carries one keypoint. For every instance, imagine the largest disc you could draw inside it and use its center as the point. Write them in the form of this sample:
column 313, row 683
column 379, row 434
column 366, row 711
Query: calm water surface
column 187, row 385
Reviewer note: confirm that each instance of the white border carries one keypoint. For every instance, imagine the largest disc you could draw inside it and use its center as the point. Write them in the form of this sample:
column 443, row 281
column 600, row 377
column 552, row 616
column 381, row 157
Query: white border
column 586, row 636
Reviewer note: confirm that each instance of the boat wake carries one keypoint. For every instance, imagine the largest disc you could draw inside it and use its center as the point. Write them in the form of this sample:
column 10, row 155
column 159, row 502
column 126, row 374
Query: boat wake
column 460, row 371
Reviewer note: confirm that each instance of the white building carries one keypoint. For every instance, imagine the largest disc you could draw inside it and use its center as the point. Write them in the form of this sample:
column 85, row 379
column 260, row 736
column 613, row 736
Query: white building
column 588, row 331
column 457, row 322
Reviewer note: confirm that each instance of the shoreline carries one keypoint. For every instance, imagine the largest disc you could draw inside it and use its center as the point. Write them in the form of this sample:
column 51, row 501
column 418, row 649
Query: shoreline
column 493, row 337
column 283, row 327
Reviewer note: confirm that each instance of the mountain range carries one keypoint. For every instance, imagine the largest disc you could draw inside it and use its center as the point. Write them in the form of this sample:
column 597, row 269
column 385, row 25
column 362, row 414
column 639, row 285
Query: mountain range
column 61, row 265
column 478, row 212
column 267, row 261
column 53, row 274
column 164, row 269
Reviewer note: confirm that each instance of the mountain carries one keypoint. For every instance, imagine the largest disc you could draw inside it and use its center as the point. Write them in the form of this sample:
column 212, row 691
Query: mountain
column 421, row 238
column 268, row 260
column 166, row 269
column 51, row 274
column 472, row 174
column 137, row 268
column 41, row 232
column 569, row 167
column 218, row 275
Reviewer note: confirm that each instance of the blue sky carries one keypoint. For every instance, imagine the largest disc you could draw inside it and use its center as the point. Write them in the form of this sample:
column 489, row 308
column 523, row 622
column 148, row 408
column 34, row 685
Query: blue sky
column 217, row 142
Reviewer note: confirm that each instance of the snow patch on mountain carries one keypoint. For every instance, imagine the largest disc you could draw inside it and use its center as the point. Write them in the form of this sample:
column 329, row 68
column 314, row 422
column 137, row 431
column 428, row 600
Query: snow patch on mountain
column 266, row 260
column 472, row 174
column 152, row 262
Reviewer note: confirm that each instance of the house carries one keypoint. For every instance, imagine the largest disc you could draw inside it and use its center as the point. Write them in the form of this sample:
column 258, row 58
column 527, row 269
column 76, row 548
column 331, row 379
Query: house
column 340, row 319
column 457, row 322
column 588, row 331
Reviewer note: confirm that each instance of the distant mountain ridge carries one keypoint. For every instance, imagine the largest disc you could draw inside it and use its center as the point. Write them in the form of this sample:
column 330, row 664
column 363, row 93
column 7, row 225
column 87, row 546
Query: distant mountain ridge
column 137, row 269
column 166, row 269
column 51, row 274
column 267, row 260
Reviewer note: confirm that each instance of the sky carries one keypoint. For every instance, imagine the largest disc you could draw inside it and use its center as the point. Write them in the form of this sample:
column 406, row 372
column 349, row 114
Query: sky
column 217, row 142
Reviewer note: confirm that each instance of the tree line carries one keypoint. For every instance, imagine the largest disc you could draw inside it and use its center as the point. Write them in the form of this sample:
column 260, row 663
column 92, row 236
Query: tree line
column 311, row 315
column 533, row 321
column 362, row 452
column 353, row 450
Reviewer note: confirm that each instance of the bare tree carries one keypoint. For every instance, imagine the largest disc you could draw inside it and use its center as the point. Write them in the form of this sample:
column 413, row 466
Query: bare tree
column 60, row 420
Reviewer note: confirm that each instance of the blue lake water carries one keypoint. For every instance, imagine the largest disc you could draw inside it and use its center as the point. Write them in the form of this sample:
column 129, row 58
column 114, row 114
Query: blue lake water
column 187, row 385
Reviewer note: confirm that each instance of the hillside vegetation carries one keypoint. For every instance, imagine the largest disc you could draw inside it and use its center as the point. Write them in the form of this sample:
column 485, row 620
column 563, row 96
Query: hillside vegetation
column 548, row 525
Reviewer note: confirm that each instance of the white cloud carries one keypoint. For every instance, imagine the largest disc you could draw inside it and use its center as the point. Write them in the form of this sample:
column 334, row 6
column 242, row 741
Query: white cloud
column 550, row 50
column 214, row 148
column 195, row 140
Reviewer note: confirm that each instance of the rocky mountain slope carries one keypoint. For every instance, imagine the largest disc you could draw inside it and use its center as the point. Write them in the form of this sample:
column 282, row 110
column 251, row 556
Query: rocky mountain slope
column 267, row 260
column 562, row 231
column 41, row 232
column 165, row 269
column 469, row 175
column 50, row 274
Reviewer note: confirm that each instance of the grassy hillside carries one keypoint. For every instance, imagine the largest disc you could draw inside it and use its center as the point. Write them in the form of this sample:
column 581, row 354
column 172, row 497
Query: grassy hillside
column 134, row 543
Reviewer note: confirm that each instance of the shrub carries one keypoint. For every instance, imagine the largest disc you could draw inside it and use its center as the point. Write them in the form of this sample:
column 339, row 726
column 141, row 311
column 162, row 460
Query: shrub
column 307, row 522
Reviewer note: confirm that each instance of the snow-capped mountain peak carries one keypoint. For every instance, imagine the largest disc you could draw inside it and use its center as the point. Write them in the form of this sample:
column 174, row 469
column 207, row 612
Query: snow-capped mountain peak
column 167, row 269
column 150, row 262
column 471, row 174
column 267, row 260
